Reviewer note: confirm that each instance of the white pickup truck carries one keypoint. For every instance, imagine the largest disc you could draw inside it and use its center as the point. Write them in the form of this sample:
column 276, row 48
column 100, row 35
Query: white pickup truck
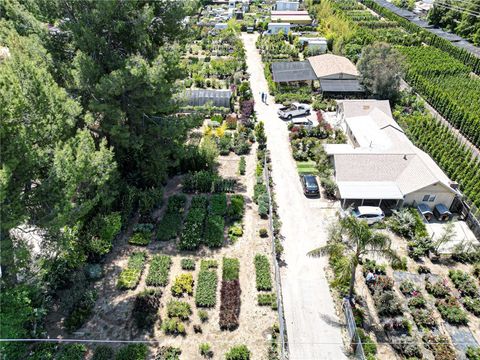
column 296, row 109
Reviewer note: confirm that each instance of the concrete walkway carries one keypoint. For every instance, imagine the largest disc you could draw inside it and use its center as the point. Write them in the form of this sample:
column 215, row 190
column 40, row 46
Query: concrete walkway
column 313, row 329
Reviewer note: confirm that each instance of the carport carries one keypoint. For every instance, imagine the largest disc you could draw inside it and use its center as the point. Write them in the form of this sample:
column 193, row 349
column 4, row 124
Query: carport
column 384, row 194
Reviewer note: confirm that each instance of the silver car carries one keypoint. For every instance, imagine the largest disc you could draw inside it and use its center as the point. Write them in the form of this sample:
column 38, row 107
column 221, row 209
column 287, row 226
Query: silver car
column 371, row 214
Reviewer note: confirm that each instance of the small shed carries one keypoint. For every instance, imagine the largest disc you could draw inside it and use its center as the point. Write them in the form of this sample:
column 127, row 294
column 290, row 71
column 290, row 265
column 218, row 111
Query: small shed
column 441, row 212
column 425, row 210
column 200, row 97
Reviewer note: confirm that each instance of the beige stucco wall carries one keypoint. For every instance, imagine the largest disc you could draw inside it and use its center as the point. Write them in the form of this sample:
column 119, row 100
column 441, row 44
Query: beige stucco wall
column 443, row 196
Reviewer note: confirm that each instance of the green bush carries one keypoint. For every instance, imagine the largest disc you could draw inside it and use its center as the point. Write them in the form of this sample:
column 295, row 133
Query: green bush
column 473, row 353
column 183, row 284
column 472, row 304
column 206, row 264
column 329, row 186
column 103, row 352
column 173, row 326
column 258, row 190
column 231, row 269
column 140, row 238
column 206, row 292
column 218, row 204
column 263, row 205
column 267, row 299
column 236, row 208
column 464, row 283
column 205, row 350
column 187, row 264
column 178, row 309
column 214, row 230
column 133, row 352
column 81, row 311
column 263, row 276
column 168, row 353
column 71, row 352
column 242, row 165
column 239, row 352
column 263, row 232
column 130, row 276
column 202, row 315
column 234, row 232
column 451, row 311
column 159, row 270
column 438, row 289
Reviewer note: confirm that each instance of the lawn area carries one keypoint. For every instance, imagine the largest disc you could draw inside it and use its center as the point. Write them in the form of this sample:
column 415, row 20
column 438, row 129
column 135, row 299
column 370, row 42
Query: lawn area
column 307, row 167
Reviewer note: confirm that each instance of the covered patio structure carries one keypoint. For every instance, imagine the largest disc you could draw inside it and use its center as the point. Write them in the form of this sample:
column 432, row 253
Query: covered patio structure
column 384, row 194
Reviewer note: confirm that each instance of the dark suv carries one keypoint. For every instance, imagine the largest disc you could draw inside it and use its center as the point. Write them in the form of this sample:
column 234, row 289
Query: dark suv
column 310, row 185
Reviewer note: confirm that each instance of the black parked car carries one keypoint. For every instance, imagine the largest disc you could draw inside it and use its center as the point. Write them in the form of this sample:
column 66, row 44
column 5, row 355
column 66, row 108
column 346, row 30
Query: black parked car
column 310, row 185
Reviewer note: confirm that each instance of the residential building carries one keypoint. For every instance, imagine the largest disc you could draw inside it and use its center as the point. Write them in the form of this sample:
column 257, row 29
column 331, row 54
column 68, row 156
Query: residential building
column 380, row 166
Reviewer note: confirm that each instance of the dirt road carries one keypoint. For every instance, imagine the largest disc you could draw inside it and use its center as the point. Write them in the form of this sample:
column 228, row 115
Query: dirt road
column 312, row 327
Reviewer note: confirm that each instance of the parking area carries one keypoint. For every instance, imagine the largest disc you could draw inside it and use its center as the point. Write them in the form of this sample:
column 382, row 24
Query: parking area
column 461, row 234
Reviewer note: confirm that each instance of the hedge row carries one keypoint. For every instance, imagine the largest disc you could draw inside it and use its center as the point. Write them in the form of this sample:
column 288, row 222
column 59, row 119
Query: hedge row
column 262, row 270
column 193, row 229
column 206, row 292
column 159, row 270
column 171, row 223
column 230, row 295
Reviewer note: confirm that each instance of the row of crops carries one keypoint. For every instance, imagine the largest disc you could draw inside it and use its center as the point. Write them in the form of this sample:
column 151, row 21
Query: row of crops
column 443, row 79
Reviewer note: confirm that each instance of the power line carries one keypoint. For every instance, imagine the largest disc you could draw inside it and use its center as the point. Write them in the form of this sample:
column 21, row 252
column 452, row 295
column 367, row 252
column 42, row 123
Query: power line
column 456, row 8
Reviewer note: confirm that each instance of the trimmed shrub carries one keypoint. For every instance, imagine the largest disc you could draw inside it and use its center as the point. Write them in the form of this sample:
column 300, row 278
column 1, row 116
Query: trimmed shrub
column 130, row 276
column 206, row 264
column 205, row 350
column 159, row 270
column 464, row 283
column 193, row 228
column 230, row 305
column 168, row 353
column 234, row 232
column 171, row 223
column 267, row 299
column 263, row 232
column 183, row 284
column 262, row 270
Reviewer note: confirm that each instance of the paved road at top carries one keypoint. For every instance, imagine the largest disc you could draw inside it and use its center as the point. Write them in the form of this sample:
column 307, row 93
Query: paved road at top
column 312, row 327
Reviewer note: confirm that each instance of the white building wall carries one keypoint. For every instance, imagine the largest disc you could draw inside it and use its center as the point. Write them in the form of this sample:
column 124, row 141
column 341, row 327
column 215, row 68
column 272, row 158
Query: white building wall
column 442, row 196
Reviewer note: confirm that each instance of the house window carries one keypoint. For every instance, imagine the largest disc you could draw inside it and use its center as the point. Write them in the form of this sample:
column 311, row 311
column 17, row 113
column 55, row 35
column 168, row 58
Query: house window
column 429, row 198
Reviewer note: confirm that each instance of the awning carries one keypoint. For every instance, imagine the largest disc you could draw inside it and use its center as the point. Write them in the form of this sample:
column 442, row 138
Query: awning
column 341, row 86
column 384, row 190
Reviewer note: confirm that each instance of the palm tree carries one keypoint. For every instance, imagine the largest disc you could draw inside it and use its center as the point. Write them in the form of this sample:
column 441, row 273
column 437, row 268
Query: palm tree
column 348, row 243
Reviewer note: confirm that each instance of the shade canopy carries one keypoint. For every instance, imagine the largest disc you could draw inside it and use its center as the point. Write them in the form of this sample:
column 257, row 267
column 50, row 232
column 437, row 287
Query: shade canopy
column 341, row 86
column 292, row 71
column 200, row 97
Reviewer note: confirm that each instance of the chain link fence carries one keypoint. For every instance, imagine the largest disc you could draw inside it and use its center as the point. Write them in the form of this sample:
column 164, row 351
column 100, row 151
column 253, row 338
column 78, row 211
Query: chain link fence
column 352, row 331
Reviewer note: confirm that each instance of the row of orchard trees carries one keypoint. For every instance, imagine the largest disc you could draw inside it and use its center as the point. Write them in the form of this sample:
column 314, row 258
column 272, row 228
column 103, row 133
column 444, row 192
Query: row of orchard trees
column 447, row 85
column 453, row 157
column 86, row 136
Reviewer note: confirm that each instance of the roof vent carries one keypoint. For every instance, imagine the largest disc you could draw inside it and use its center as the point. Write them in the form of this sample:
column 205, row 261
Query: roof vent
column 405, row 157
column 366, row 107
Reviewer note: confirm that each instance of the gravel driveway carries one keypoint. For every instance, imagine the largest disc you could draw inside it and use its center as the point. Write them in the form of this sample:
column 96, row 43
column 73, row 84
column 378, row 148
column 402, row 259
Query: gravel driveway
column 312, row 327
